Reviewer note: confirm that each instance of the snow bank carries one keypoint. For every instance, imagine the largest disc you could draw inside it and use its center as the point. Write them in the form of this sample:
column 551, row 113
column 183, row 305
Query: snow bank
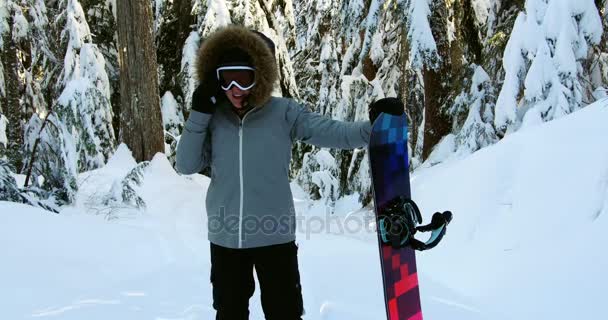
column 529, row 218
column 528, row 235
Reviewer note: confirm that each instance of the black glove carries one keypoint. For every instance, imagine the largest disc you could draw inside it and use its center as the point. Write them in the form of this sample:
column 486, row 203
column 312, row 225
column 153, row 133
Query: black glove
column 207, row 95
column 392, row 106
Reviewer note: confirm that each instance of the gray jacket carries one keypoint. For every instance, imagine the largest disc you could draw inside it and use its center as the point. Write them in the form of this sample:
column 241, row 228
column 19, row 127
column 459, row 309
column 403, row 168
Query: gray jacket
column 249, row 201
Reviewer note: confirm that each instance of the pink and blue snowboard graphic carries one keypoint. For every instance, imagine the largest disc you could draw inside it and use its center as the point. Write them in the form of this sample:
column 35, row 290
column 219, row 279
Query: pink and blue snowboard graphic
column 389, row 164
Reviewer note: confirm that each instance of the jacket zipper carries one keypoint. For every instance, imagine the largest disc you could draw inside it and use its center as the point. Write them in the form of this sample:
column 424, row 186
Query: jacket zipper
column 241, row 177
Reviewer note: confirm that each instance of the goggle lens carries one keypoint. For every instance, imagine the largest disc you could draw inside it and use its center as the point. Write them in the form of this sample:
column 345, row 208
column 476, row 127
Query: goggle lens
column 242, row 77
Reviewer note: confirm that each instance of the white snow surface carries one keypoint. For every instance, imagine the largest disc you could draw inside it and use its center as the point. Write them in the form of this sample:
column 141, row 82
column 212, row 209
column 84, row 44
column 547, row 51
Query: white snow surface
column 527, row 241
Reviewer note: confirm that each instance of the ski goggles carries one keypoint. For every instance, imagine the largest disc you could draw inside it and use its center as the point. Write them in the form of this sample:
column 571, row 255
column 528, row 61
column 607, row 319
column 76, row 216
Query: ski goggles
column 242, row 77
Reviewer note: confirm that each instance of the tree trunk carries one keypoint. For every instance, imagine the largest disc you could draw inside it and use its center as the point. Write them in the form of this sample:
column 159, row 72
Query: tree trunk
column 437, row 83
column 10, row 102
column 140, row 118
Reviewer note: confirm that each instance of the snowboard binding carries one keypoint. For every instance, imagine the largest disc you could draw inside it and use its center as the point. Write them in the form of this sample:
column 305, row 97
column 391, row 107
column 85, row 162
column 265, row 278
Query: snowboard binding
column 399, row 222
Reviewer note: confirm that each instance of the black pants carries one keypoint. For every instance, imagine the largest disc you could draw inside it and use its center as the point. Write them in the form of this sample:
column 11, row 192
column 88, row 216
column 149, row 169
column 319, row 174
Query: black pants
column 277, row 270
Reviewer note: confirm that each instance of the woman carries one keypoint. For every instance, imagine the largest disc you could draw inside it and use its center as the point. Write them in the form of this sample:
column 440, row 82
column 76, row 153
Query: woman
column 246, row 135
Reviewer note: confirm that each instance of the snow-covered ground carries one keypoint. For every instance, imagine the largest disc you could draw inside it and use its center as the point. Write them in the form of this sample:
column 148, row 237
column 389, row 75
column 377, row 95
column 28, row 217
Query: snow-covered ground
column 527, row 241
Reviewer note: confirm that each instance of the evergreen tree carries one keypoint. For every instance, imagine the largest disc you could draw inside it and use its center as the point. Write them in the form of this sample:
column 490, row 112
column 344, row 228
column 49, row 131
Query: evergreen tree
column 101, row 18
column 476, row 104
column 29, row 58
column 52, row 165
column 84, row 102
column 553, row 38
column 13, row 34
column 8, row 186
column 335, row 55
column 173, row 123
column 76, row 133
column 172, row 28
column 468, row 70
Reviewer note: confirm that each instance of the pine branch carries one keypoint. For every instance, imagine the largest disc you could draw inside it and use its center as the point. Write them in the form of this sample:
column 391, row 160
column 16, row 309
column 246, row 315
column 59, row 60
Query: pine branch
column 35, row 148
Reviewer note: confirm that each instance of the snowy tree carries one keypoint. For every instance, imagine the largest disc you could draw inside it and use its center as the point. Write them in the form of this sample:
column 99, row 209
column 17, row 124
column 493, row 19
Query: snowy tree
column 477, row 107
column 101, row 18
column 33, row 195
column 496, row 21
column 282, row 19
column 52, row 162
column 173, row 123
column 552, row 38
column 76, row 133
column 339, row 56
column 173, row 119
column 422, row 45
column 173, row 21
column 187, row 79
column 468, row 71
column 418, row 76
column 466, row 19
column 84, row 102
column 467, row 31
column 470, row 90
column 319, row 177
column 13, row 36
column 28, row 68
column 211, row 15
column 9, row 191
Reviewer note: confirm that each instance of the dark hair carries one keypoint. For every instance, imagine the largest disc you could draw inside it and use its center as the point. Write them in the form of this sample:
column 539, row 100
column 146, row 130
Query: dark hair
column 235, row 56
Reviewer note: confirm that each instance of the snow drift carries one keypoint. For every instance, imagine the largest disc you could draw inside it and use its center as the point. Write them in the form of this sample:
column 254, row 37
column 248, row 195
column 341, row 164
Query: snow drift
column 527, row 240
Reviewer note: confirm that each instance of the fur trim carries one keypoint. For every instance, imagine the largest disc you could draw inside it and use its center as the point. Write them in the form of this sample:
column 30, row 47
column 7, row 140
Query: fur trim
column 237, row 36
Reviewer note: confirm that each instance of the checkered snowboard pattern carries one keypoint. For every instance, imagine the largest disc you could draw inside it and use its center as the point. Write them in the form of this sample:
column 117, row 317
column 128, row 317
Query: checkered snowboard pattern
column 390, row 178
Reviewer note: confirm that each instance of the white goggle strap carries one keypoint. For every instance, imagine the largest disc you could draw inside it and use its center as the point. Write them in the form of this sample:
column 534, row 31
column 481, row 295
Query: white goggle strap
column 233, row 68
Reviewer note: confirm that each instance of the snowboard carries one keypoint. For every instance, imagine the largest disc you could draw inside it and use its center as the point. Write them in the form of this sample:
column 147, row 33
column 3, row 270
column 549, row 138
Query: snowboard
column 389, row 166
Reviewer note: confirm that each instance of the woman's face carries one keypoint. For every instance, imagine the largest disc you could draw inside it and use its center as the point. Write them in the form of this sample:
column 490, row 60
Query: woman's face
column 237, row 96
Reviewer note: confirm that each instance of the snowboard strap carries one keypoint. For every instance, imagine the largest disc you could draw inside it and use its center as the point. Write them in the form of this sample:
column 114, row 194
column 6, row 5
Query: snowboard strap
column 437, row 227
column 399, row 223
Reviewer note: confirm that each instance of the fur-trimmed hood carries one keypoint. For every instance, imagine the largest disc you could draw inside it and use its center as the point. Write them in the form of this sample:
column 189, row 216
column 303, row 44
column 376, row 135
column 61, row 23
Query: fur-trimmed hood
column 256, row 47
